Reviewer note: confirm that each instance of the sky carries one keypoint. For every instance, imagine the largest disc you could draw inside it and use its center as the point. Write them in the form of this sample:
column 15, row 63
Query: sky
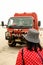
column 9, row 7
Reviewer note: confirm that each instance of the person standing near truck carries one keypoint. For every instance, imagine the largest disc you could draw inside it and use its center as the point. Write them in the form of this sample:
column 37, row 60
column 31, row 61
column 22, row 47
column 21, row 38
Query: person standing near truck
column 32, row 54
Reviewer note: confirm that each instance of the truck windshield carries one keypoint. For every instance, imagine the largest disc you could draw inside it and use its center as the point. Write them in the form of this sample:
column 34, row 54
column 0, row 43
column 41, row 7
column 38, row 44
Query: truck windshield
column 20, row 21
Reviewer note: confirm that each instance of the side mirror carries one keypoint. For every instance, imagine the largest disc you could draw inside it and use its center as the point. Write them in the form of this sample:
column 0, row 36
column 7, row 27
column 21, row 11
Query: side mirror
column 39, row 23
column 2, row 23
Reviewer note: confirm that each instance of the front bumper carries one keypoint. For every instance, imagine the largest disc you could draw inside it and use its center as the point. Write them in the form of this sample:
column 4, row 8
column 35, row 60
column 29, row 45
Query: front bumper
column 15, row 37
column 19, row 40
column 12, row 37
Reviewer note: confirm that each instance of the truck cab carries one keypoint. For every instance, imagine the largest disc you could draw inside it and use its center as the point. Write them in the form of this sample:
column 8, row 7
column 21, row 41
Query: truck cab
column 19, row 25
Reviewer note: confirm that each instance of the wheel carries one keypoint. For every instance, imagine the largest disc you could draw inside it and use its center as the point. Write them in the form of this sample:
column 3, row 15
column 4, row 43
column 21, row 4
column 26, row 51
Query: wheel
column 11, row 43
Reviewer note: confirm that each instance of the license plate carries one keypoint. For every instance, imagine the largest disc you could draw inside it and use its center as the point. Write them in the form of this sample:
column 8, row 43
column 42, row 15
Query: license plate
column 17, row 40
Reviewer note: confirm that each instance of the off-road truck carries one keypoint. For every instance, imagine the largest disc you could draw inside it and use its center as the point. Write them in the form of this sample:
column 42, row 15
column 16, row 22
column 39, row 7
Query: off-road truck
column 19, row 25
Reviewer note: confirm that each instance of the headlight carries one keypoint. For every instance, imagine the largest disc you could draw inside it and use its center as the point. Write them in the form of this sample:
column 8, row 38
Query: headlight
column 7, row 34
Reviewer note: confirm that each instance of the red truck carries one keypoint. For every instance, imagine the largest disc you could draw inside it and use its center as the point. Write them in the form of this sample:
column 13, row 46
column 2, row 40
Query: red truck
column 19, row 25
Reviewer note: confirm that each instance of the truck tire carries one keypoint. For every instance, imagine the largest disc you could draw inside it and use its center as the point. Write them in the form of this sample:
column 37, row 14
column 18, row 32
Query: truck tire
column 11, row 43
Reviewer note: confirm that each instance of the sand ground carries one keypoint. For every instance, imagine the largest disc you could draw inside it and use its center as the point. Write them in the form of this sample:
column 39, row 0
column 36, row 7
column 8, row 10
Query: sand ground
column 8, row 55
